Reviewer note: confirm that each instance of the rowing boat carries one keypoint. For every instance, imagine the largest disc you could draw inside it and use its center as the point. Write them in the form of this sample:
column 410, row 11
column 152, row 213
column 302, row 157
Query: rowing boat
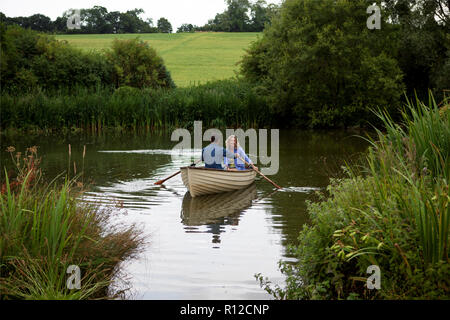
column 200, row 181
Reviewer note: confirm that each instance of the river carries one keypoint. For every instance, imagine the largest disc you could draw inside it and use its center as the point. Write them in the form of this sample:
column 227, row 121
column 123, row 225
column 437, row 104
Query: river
column 205, row 248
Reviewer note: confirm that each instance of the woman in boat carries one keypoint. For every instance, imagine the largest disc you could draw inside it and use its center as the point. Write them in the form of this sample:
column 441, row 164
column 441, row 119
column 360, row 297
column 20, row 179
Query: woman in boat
column 234, row 150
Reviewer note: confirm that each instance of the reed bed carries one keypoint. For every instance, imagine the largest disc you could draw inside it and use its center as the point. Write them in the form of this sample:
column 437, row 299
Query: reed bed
column 45, row 228
column 223, row 103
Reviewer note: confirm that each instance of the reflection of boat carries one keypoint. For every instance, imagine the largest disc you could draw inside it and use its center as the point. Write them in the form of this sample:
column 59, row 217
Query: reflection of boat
column 200, row 181
column 208, row 209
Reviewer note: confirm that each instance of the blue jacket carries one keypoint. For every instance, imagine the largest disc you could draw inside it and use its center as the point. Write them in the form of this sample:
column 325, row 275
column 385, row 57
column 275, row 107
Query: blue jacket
column 238, row 163
column 209, row 156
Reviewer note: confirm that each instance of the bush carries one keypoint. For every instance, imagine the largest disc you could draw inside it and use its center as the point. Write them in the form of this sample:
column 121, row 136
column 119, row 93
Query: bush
column 230, row 103
column 398, row 219
column 45, row 228
column 137, row 65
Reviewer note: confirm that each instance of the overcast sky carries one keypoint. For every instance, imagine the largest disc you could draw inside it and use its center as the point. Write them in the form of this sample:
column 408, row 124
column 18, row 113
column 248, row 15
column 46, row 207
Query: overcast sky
column 177, row 11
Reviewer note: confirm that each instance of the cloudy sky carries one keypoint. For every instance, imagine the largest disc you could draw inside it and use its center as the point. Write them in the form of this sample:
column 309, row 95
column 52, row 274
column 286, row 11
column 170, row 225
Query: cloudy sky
column 177, row 11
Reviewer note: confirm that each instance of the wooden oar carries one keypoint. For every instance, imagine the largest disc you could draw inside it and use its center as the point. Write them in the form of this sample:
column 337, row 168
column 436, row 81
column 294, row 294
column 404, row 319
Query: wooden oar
column 164, row 180
column 257, row 171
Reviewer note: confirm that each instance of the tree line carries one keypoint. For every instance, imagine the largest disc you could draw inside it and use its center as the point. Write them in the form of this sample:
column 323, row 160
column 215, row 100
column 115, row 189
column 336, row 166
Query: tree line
column 240, row 16
column 96, row 20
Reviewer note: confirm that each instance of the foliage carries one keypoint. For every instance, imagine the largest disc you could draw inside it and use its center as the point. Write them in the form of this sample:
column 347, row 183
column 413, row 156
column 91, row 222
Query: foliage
column 136, row 64
column 321, row 66
column 398, row 220
column 185, row 27
column 234, row 103
column 164, row 26
column 31, row 61
column 45, row 228
column 95, row 20
column 236, row 19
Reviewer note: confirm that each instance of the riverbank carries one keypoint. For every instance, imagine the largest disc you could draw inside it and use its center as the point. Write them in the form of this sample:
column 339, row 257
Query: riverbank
column 392, row 212
column 47, row 233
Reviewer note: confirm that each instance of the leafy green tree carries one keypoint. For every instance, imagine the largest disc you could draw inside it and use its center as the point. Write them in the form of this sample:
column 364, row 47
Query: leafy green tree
column 186, row 28
column 164, row 26
column 422, row 42
column 136, row 64
column 319, row 65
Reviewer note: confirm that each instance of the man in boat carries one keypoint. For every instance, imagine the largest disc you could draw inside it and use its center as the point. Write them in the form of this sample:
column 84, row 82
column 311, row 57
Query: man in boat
column 234, row 149
column 213, row 155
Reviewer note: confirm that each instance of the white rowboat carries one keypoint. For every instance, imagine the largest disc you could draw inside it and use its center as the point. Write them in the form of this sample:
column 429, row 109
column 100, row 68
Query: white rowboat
column 200, row 181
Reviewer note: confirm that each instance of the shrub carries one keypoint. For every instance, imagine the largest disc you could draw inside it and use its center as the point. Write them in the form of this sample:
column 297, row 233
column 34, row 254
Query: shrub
column 136, row 64
column 398, row 219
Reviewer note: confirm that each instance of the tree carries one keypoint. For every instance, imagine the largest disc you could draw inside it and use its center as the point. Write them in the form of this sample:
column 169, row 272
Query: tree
column 319, row 65
column 136, row 64
column 186, row 28
column 164, row 26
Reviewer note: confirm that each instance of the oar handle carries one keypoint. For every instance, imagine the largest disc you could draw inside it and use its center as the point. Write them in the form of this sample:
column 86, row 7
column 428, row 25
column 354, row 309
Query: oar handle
column 164, row 180
column 257, row 171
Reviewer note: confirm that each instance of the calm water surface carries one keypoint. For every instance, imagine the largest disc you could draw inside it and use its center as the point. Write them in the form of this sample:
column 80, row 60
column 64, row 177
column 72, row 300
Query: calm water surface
column 203, row 248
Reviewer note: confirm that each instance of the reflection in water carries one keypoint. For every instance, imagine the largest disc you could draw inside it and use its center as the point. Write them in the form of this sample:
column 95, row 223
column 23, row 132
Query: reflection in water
column 216, row 210
column 250, row 228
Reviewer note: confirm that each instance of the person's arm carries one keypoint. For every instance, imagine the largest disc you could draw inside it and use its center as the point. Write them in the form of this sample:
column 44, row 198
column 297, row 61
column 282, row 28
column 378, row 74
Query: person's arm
column 241, row 152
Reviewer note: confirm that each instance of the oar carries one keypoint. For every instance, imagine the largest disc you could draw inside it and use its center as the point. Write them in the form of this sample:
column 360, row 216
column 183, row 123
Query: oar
column 253, row 167
column 164, row 180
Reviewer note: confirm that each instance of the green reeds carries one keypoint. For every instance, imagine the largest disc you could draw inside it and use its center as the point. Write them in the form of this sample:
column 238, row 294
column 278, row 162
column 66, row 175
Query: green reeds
column 411, row 160
column 44, row 230
column 223, row 103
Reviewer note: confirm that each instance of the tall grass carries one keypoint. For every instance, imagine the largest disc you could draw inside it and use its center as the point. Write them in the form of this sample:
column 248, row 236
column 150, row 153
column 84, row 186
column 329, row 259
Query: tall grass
column 414, row 154
column 393, row 212
column 219, row 104
column 46, row 228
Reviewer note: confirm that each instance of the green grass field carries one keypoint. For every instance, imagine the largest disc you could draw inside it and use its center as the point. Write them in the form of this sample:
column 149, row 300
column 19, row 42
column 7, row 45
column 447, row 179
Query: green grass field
column 191, row 58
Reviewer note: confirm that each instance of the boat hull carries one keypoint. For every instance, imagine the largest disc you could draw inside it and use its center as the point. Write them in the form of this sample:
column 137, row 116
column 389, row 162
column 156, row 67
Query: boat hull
column 201, row 181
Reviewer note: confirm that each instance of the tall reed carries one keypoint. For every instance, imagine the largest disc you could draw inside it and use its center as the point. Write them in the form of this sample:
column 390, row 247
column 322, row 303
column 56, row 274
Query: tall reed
column 219, row 104
column 44, row 228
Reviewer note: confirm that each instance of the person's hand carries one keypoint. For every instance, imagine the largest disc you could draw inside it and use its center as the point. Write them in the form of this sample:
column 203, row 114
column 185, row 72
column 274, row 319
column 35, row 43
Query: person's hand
column 256, row 167
column 236, row 155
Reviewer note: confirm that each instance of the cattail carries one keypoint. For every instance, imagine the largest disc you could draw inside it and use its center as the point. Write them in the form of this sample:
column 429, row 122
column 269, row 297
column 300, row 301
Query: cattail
column 74, row 168
column 70, row 150
column 84, row 151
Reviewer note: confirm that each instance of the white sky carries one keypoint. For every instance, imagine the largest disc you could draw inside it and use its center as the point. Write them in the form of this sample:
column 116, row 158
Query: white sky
column 178, row 12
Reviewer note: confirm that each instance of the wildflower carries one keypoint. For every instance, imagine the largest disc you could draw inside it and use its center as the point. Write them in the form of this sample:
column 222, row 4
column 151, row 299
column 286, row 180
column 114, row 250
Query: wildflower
column 10, row 149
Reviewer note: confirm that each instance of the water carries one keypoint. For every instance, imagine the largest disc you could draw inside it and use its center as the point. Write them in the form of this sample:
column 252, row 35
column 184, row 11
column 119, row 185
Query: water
column 202, row 248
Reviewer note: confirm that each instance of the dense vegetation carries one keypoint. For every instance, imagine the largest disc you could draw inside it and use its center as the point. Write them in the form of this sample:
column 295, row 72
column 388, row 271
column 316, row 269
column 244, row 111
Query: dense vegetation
column 320, row 66
column 31, row 60
column 236, row 18
column 95, row 20
column 398, row 219
column 219, row 104
column 46, row 227
column 240, row 16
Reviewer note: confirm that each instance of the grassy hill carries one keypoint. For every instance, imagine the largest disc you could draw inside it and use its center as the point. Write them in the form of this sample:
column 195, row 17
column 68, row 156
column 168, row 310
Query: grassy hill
column 190, row 57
